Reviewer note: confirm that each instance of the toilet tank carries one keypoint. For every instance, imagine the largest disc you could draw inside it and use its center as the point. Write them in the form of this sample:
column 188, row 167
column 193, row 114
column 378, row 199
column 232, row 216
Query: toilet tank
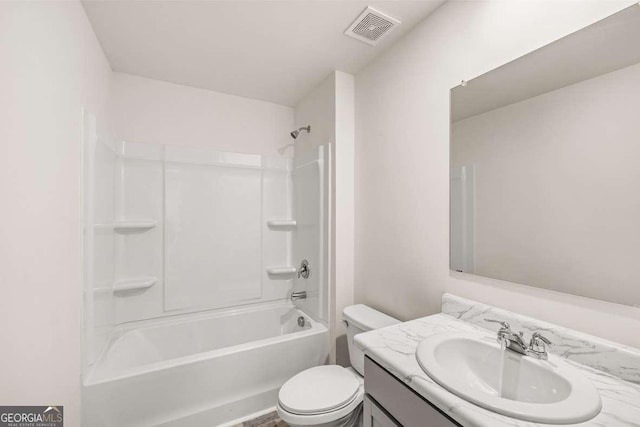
column 361, row 318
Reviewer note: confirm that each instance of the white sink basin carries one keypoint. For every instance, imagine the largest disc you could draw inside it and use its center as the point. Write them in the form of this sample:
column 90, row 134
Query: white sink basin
column 531, row 390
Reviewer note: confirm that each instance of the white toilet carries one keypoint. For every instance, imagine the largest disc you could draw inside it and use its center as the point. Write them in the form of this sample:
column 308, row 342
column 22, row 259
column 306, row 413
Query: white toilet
column 331, row 396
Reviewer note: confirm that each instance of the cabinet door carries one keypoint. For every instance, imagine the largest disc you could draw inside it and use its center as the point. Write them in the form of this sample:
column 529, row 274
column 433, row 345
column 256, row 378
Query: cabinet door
column 375, row 416
column 400, row 402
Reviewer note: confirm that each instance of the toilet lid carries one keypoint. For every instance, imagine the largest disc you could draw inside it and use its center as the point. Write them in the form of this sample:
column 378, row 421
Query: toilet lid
column 319, row 390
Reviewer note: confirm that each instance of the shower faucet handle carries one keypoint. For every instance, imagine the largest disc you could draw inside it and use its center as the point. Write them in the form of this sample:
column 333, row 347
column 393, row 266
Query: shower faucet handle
column 304, row 270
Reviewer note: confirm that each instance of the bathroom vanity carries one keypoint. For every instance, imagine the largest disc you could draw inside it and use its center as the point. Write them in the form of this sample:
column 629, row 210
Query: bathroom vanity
column 389, row 402
column 400, row 393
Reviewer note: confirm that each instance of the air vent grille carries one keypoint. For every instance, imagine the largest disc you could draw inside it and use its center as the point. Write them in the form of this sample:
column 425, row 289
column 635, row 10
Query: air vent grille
column 371, row 26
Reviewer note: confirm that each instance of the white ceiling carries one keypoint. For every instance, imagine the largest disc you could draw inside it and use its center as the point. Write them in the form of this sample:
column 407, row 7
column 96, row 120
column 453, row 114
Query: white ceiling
column 275, row 51
column 606, row 46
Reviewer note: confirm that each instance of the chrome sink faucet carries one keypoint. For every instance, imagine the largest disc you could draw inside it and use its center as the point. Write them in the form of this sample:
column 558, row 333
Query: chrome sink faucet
column 514, row 341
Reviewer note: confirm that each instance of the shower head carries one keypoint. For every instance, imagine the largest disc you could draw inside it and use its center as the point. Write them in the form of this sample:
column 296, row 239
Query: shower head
column 295, row 133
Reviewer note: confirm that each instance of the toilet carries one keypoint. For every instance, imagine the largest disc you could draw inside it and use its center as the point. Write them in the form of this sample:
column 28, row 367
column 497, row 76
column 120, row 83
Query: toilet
column 331, row 395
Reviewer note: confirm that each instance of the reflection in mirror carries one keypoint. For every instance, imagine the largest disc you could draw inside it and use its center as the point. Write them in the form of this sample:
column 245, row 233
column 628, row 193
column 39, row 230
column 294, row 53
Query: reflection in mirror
column 545, row 166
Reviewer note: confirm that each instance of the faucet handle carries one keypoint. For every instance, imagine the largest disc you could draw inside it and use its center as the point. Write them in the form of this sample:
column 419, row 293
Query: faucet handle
column 538, row 345
column 504, row 325
column 304, row 270
column 537, row 339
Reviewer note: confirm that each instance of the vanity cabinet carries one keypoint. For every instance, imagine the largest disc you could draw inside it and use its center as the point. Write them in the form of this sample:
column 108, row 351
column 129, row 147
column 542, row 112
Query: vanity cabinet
column 375, row 416
column 389, row 402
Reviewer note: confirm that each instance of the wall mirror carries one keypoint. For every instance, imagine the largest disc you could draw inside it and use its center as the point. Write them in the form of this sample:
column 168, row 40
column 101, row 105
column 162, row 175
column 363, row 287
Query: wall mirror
column 545, row 166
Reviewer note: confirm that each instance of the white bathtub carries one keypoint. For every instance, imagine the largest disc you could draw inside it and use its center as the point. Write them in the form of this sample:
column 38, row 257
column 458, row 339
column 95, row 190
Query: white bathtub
column 200, row 370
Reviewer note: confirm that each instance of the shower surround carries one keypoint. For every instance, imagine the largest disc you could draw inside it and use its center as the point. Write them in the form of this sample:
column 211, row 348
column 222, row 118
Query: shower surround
column 190, row 257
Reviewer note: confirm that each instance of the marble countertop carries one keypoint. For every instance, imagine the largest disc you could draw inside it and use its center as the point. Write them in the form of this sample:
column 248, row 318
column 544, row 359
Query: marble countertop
column 394, row 349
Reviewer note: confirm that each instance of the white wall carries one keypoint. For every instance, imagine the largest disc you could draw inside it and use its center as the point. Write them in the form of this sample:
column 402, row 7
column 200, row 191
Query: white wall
column 152, row 111
column 555, row 183
column 318, row 109
column 344, row 208
column 329, row 109
column 402, row 163
column 52, row 66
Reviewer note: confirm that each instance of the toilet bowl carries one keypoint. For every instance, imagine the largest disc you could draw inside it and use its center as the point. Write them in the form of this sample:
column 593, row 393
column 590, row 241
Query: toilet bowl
column 331, row 395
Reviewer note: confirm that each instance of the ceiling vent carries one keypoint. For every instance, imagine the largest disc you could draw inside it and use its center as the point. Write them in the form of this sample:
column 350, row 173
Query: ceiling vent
column 371, row 26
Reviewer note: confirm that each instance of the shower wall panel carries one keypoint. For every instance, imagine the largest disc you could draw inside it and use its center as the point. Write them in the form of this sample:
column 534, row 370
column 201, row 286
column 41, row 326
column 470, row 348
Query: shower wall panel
column 311, row 181
column 140, row 251
column 99, row 252
column 277, row 201
column 212, row 234
column 172, row 230
column 210, row 245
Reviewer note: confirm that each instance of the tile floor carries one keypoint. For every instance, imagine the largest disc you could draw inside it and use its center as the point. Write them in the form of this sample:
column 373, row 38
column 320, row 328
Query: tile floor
column 268, row 420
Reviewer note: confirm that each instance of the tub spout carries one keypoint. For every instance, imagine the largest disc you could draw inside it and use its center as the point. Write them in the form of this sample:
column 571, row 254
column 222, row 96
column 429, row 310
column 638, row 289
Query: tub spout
column 298, row 295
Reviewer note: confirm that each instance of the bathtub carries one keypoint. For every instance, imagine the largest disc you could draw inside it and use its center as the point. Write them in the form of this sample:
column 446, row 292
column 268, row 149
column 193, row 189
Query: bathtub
column 200, row 370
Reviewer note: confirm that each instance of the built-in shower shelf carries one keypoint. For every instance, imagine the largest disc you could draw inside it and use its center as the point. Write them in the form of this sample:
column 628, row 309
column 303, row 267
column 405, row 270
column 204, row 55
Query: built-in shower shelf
column 133, row 284
column 134, row 225
column 282, row 224
column 279, row 273
column 139, row 225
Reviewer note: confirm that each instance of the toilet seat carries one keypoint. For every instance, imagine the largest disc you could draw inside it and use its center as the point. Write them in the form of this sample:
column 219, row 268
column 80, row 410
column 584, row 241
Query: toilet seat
column 319, row 395
column 318, row 390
